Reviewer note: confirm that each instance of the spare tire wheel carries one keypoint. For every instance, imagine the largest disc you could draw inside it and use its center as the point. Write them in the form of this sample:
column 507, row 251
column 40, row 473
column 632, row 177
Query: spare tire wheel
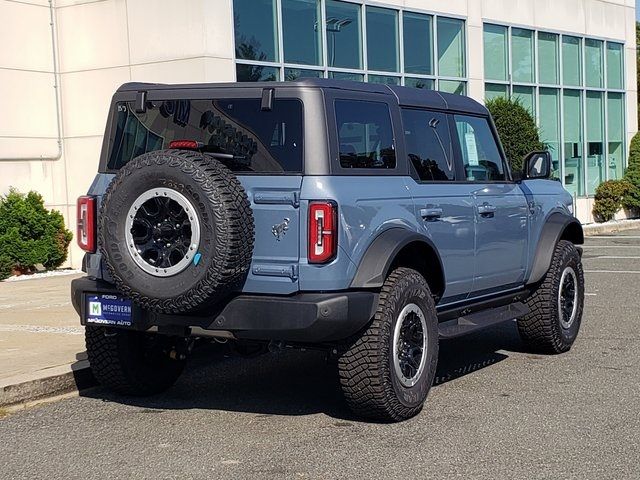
column 176, row 231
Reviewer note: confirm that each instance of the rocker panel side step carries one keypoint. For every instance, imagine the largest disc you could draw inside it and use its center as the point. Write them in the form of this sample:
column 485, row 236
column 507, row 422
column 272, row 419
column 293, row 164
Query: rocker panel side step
column 473, row 322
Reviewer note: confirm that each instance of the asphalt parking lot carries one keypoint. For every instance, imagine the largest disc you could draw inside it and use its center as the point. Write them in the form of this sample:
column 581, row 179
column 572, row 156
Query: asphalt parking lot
column 496, row 411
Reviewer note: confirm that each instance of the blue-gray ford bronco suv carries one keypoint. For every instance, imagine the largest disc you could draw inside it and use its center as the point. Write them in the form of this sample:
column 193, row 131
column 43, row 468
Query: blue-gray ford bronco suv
column 368, row 220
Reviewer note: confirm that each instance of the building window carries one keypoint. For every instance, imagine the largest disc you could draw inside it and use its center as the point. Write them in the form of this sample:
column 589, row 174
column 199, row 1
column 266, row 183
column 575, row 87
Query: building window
column 522, row 55
column 571, row 61
column 427, row 83
column 451, row 47
column 549, row 123
column 256, row 30
column 344, row 35
column 573, row 86
column 593, row 63
column 256, row 73
column 291, row 39
column 548, row 71
column 301, row 37
column 382, row 42
column 418, row 43
column 596, row 164
column 496, row 65
column 572, row 121
column 615, row 134
column 614, row 65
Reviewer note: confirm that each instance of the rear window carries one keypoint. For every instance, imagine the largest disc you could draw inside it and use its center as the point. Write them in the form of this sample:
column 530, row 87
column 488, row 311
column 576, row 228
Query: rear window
column 260, row 141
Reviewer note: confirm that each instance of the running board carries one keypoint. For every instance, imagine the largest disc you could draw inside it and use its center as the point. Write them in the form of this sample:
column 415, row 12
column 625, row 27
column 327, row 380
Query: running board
column 473, row 322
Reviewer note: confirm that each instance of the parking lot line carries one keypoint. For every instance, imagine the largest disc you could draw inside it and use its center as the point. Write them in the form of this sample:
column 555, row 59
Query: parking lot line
column 616, row 257
column 609, row 246
column 614, row 236
column 42, row 329
column 612, row 271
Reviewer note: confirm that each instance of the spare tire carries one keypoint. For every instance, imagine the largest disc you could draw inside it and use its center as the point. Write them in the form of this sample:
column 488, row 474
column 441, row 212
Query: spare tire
column 176, row 231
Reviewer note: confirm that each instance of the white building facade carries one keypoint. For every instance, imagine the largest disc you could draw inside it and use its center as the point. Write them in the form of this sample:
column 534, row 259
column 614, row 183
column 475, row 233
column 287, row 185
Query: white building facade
column 572, row 63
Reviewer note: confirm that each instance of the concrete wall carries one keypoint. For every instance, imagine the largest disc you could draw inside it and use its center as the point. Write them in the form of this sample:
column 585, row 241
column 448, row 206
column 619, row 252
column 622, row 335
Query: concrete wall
column 100, row 45
column 104, row 43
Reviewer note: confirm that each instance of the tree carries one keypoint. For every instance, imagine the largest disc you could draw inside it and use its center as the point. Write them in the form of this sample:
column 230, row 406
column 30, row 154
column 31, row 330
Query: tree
column 631, row 200
column 638, row 63
column 517, row 128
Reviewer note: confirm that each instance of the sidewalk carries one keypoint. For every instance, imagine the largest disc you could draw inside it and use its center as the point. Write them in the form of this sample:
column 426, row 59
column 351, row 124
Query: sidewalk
column 40, row 338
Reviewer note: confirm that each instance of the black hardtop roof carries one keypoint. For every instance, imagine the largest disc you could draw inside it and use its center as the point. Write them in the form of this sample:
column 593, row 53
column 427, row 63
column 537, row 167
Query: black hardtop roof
column 406, row 96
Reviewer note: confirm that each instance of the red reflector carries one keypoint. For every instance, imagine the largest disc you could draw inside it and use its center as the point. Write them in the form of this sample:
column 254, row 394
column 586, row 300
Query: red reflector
column 323, row 232
column 185, row 144
column 86, row 231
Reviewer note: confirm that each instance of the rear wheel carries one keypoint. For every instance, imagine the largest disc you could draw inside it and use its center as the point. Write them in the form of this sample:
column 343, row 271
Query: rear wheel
column 556, row 306
column 134, row 363
column 386, row 373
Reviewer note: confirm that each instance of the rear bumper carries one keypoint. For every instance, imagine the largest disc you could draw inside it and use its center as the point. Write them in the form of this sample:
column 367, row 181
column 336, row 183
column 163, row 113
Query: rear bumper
column 303, row 317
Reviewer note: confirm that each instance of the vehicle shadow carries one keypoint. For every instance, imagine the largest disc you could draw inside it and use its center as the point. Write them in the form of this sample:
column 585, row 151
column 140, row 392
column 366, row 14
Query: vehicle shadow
column 299, row 383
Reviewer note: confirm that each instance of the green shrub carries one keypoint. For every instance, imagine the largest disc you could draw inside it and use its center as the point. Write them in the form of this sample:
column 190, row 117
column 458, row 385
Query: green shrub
column 631, row 200
column 30, row 234
column 517, row 129
column 6, row 267
column 609, row 198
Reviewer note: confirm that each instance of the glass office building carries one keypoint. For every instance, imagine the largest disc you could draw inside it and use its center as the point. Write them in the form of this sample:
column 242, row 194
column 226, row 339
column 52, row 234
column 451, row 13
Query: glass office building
column 571, row 62
column 574, row 87
column 289, row 39
column 573, row 84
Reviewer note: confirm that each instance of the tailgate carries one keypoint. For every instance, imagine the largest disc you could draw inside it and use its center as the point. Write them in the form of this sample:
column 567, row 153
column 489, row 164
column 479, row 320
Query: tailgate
column 276, row 211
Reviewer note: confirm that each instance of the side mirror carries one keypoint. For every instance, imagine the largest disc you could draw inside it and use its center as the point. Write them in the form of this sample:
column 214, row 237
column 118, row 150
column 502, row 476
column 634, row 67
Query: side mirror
column 537, row 165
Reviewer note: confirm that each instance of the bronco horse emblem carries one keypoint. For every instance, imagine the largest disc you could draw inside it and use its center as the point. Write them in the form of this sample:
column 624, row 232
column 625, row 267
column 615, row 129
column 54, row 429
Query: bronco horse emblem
column 280, row 229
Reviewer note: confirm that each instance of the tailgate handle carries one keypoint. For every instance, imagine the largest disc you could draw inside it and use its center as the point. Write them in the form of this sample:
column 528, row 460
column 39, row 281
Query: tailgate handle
column 290, row 271
column 279, row 198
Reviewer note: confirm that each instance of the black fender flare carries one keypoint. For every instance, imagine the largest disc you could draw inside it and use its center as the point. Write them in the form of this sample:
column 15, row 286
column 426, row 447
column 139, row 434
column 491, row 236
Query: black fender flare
column 552, row 231
column 377, row 260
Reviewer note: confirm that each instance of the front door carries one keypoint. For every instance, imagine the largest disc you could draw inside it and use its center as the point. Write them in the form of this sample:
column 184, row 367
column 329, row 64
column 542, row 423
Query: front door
column 444, row 207
column 501, row 209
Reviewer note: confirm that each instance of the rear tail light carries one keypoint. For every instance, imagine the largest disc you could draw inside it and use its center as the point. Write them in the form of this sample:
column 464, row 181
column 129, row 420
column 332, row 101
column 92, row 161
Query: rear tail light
column 323, row 232
column 86, row 231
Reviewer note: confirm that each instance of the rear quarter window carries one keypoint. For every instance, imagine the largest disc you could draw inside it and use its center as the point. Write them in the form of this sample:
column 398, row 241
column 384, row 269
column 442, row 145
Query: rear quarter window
column 365, row 134
column 260, row 141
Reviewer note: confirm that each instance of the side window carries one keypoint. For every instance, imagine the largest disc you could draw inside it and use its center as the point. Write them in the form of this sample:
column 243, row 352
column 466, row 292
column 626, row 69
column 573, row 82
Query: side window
column 480, row 154
column 365, row 135
column 428, row 144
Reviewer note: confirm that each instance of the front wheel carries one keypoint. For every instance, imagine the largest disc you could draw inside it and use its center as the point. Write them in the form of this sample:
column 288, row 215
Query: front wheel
column 134, row 363
column 386, row 373
column 557, row 303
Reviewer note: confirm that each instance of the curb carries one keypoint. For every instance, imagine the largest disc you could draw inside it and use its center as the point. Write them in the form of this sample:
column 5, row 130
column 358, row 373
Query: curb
column 46, row 383
column 609, row 227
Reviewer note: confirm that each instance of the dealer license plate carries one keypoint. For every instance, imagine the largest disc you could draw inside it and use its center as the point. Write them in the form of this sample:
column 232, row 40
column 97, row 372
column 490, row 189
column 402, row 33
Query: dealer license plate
column 108, row 310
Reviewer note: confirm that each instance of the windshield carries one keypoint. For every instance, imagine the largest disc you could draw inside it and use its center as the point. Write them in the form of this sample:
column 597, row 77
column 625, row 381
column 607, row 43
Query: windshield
column 253, row 140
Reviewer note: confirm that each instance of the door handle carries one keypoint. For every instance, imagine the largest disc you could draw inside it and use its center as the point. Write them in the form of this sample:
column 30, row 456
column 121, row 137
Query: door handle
column 431, row 213
column 486, row 210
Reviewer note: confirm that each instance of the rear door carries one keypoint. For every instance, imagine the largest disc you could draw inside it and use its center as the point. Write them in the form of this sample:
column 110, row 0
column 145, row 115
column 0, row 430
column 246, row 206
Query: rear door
column 501, row 209
column 262, row 146
column 444, row 206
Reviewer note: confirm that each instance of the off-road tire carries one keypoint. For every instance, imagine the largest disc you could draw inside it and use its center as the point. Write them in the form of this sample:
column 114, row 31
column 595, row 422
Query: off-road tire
column 226, row 224
column 369, row 382
column 133, row 363
column 541, row 329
